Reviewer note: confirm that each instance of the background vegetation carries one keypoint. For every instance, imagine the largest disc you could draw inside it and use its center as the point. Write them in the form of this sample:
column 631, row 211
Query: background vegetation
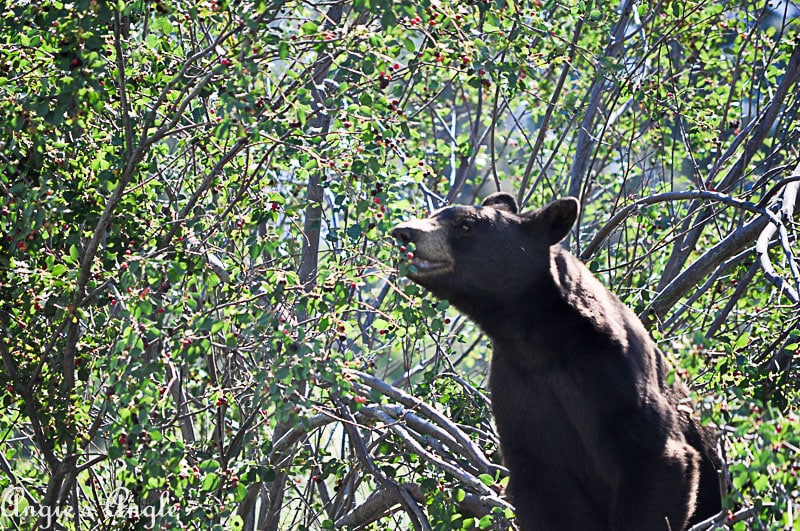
column 202, row 325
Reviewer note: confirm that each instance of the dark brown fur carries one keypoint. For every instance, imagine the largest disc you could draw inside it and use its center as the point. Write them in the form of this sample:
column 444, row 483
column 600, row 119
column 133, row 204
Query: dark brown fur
column 592, row 436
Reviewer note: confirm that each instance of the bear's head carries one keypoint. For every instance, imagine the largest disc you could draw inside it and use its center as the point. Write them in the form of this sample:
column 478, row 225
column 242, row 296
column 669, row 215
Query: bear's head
column 484, row 256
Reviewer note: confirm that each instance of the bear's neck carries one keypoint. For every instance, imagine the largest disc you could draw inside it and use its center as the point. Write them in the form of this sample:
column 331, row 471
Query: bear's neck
column 549, row 304
column 502, row 315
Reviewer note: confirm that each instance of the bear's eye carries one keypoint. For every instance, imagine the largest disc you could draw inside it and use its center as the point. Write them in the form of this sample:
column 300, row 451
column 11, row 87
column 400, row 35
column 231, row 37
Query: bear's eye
column 466, row 225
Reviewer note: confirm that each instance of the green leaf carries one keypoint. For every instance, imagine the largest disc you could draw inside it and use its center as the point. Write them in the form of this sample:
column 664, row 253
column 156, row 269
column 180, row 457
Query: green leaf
column 217, row 326
column 486, row 522
column 354, row 231
column 742, row 341
column 283, row 50
column 210, row 482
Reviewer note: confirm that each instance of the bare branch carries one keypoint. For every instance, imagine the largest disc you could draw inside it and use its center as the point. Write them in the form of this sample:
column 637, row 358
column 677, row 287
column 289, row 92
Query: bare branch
column 729, row 246
column 626, row 211
column 551, row 106
column 599, row 87
column 757, row 131
column 413, row 403
column 124, row 111
column 406, row 500
column 702, row 267
column 377, row 504
column 457, row 472
column 381, row 501
column 762, row 244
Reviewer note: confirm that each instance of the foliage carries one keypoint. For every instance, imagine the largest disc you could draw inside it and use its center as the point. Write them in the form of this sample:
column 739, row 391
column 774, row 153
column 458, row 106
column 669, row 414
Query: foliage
column 202, row 323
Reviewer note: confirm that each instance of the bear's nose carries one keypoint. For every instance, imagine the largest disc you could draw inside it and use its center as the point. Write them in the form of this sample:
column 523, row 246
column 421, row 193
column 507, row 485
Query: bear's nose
column 403, row 233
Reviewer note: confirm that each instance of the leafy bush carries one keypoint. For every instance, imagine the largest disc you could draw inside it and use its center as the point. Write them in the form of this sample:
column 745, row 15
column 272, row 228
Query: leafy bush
column 202, row 324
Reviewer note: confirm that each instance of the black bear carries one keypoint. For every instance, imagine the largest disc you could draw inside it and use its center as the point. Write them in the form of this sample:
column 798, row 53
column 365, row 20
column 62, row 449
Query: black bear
column 592, row 436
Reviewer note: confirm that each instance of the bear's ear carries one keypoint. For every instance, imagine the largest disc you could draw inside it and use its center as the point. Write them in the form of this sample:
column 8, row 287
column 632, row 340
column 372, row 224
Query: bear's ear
column 501, row 201
column 555, row 219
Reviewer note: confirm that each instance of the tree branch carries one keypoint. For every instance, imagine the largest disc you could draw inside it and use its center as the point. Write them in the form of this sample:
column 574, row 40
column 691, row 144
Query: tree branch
column 729, row 246
column 404, row 497
column 627, row 210
column 413, row 403
column 758, row 131
column 762, row 244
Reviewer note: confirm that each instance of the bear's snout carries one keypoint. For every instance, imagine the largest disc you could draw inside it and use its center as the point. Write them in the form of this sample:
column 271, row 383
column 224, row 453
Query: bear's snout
column 404, row 233
column 431, row 254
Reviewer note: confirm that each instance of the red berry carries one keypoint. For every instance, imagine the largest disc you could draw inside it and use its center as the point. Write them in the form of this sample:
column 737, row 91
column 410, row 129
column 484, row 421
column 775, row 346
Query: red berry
column 225, row 61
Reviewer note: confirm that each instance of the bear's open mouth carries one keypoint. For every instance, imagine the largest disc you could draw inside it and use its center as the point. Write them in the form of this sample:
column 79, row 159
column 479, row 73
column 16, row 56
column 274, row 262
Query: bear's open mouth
column 425, row 266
